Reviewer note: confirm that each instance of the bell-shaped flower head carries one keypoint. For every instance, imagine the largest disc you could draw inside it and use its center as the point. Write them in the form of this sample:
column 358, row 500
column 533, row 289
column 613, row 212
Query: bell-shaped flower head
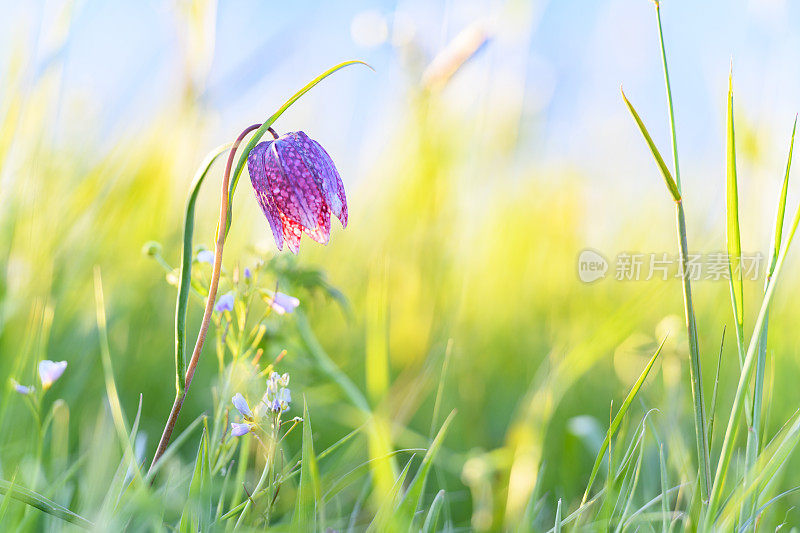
column 297, row 187
column 50, row 371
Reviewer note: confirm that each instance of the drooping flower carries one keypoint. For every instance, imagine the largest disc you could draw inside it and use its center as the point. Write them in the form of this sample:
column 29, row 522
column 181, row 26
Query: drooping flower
column 283, row 303
column 50, row 371
column 225, row 302
column 205, row 256
column 239, row 429
column 241, row 405
column 297, row 187
column 247, row 273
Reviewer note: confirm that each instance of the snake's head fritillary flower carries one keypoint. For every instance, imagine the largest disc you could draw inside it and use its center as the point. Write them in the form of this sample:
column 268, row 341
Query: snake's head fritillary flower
column 297, row 187
column 247, row 273
column 50, row 371
column 241, row 405
column 225, row 302
column 22, row 389
column 237, row 429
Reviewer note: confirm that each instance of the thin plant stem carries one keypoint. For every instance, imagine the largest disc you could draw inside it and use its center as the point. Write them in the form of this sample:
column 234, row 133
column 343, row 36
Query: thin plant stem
column 669, row 99
column 701, row 426
column 695, row 375
column 180, row 397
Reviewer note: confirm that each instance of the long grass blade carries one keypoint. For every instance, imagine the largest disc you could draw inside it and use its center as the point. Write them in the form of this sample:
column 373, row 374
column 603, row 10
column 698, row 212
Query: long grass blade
column 662, row 166
column 184, row 282
column 615, row 423
column 744, row 378
column 34, row 499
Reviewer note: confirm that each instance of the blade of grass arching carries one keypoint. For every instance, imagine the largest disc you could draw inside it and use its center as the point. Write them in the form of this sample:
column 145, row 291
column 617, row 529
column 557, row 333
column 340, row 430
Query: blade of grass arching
column 432, row 518
column 34, row 499
column 360, row 471
column 111, row 386
column 577, row 514
column 691, row 325
column 662, row 166
column 268, row 123
column 761, row 362
column 557, row 526
column 7, row 498
column 383, row 517
column 764, row 507
column 769, row 462
column 414, row 496
column 185, row 280
column 308, row 493
column 618, row 419
column 713, row 411
column 744, row 378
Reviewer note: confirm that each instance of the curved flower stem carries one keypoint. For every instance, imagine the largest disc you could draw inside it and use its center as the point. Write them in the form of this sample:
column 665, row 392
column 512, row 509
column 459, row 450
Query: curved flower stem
column 212, row 295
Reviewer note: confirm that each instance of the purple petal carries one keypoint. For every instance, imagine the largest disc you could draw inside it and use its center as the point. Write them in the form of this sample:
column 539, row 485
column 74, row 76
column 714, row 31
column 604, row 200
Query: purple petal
column 224, row 303
column 258, row 178
column 241, row 405
column 50, row 371
column 22, row 389
column 294, row 190
column 325, row 174
column 237, row 430
column 283, row 303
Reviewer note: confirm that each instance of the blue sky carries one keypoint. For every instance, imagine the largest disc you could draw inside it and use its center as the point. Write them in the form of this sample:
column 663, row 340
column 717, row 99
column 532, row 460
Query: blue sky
column 124, row 61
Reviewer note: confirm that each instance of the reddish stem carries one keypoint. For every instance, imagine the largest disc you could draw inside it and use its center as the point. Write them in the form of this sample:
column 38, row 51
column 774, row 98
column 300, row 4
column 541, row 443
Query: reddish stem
column 212, row 296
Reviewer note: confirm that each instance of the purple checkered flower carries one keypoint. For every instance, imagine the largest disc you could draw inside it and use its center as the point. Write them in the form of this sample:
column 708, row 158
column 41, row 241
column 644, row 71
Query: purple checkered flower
column 297, row 187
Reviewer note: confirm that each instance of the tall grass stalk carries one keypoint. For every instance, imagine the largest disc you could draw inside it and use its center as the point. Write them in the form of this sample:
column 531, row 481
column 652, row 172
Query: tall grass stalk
column 700, row 420
column 744, row 380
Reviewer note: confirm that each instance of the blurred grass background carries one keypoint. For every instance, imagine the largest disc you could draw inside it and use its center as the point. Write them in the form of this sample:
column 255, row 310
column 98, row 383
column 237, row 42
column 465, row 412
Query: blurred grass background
column 472, row 193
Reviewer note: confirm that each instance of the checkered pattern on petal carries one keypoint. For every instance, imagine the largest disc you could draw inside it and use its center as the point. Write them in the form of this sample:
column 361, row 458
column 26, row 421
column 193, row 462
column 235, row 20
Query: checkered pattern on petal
column 325, row 174
column 293, row 188
column 258, row 178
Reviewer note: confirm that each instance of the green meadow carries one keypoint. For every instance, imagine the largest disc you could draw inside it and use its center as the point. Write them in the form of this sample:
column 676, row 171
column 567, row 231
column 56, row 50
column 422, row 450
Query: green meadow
column 449, row 369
